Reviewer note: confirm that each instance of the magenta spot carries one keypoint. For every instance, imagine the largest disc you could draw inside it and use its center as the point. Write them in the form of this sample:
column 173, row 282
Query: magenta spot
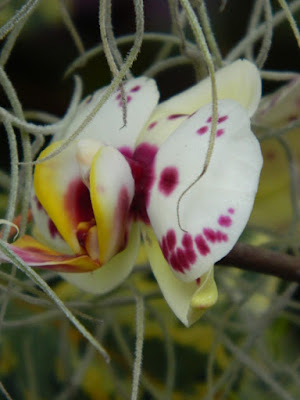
column 198, row 281
column 202, row 130
column 210, row 235
column 225, row 220
column 224, row 237
column 175, row 264
column 164, row 248
column 231, row 210
column 52, row 229
column 182, row 259
column 209, row 120
column 135, row 89
column 152, row 125
column 219, row 132
column 126, row 151
column 128, row 99
column 168, row 180
column 191, row 255
column 175, row 116
column 121, row 217
column 144, row 154
column 171, row 239
column 221, row 236
column 77, row 202
column 222, row 119
column 202, row 245
column 187, row 241
column 38, row 204
column 142, row 169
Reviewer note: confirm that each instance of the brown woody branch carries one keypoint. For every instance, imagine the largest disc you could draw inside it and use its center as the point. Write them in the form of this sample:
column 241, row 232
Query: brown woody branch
column 264, row 261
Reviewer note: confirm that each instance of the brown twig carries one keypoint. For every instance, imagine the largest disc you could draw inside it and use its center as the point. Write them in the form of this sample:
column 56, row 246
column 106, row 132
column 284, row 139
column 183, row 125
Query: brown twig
column 264, row 261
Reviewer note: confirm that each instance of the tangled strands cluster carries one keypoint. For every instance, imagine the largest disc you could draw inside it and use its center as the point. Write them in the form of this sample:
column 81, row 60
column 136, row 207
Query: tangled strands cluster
column 260, row 296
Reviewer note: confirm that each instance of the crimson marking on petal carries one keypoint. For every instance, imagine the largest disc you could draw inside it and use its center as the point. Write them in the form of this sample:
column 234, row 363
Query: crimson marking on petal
column 121, row 216
column 145, row 153
column 168, row 180
column 231, row 210
column 38, row 204
column 221, row 236
column 191, row 255
column 222, row 119
column 135, row 89
column 202, row 245
column 175, row 264
column 52, row 229
column 220, row 132
column 123, row 203
column 225, row 220
column 118, row 97
column 128, row 100
column 77, row 202
column 202, row 130
column 142, row 169
column 152, row 125
column 126, row 151
column 171, row 239
column 187, row 241
column 198, row 281
column 182, row 259
column 164, row 248
column 210, row 235
column 209, row 120
column 224, row 237
column 175, row 116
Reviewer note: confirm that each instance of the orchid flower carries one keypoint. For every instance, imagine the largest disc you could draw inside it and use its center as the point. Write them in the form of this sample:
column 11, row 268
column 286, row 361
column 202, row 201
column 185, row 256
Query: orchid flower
column 116, row 183
column 273, row 206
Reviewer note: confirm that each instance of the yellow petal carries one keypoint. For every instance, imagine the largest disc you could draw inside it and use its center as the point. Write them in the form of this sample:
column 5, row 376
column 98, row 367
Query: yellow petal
column 188, row 300
column 60, row 190
column 112, row 190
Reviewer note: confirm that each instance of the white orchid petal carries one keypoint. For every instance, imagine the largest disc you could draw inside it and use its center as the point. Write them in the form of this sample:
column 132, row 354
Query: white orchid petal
column 141, row 96
column 215, row 210
column 239, row 81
